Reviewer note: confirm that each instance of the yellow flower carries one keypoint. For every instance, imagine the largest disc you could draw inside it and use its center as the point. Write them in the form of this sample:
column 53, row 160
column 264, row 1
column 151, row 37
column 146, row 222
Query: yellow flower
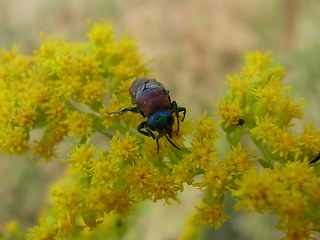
column 45, row 150
column 141, row 178
column 239, row 159
column 82, row 156
column 66, row 207
column 104, row 171
column 255, row 63
column 120, row 201
column 210, row 214
column 205, row 128
column 69, row 86
column 266, row 128
column 286, row 145
column 237, row 85
column 270, row 98
column 43, row 231
column 309, row 140
column 124, row 149
column 165, row 188
column 296, row 229
column 215, row 179
column 230, row 113
column 25, row 117
column 203, row 153
column 14, row 140
column 55, row 132
column 93, row 90
column 101, row 33
column 256, row 193
column 292, row 109
column 56, row 110
column 79, row 124
column 183, row 172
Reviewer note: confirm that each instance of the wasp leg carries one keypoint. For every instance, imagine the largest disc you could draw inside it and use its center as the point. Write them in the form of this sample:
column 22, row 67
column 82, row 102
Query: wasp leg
column 182, row 109
column 130, row 109
column 158, row 137
column 176, row 110
column 172, row 143
column 147, row 131
column 317, row 158
column 174, row 106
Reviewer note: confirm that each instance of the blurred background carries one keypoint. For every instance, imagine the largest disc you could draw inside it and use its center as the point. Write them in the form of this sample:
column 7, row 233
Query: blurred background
column 193, row 44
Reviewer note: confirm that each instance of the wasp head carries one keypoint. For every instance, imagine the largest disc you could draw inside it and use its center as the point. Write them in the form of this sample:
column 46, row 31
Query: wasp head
column 161, row 121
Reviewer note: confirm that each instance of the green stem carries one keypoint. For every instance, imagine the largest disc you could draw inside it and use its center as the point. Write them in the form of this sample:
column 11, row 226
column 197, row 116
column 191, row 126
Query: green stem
column 264, row 150
column 234, row 136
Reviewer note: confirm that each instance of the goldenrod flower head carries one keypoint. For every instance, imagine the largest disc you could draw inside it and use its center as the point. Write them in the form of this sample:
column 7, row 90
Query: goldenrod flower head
column 255, row 63
column 266, row 128
column 309, row 140
column 120, row 201
column 203, row 153
column 56, row 110
column 14, row 140
column 257, row 192
column 101, row 33
column 296, row 229
column 230, row 112
column 239, row 159
column 183, row 172
column 79, row 125
column 124, row 149
column 94, row 90
column 45, row 150
column 238, row 86
column 66, row 207
column 165, row 188
column 269, row 97
column 205, row 128
column 286, row 144
column 210, row 214
column 82, row 156
column 142, row 176
column 215, row 179
column 104, row 171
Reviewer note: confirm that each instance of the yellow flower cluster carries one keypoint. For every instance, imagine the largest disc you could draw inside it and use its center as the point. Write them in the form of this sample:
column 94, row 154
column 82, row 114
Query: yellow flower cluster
column 289, row 190
column 257, row 97
column 58, row 87
column 288, row 185
column 68, row 89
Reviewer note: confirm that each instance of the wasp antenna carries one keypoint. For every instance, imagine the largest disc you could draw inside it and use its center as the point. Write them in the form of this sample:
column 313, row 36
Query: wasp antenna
column 157, row 140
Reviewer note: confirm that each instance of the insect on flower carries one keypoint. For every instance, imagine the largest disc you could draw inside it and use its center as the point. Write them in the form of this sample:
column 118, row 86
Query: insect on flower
column 153, row 101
